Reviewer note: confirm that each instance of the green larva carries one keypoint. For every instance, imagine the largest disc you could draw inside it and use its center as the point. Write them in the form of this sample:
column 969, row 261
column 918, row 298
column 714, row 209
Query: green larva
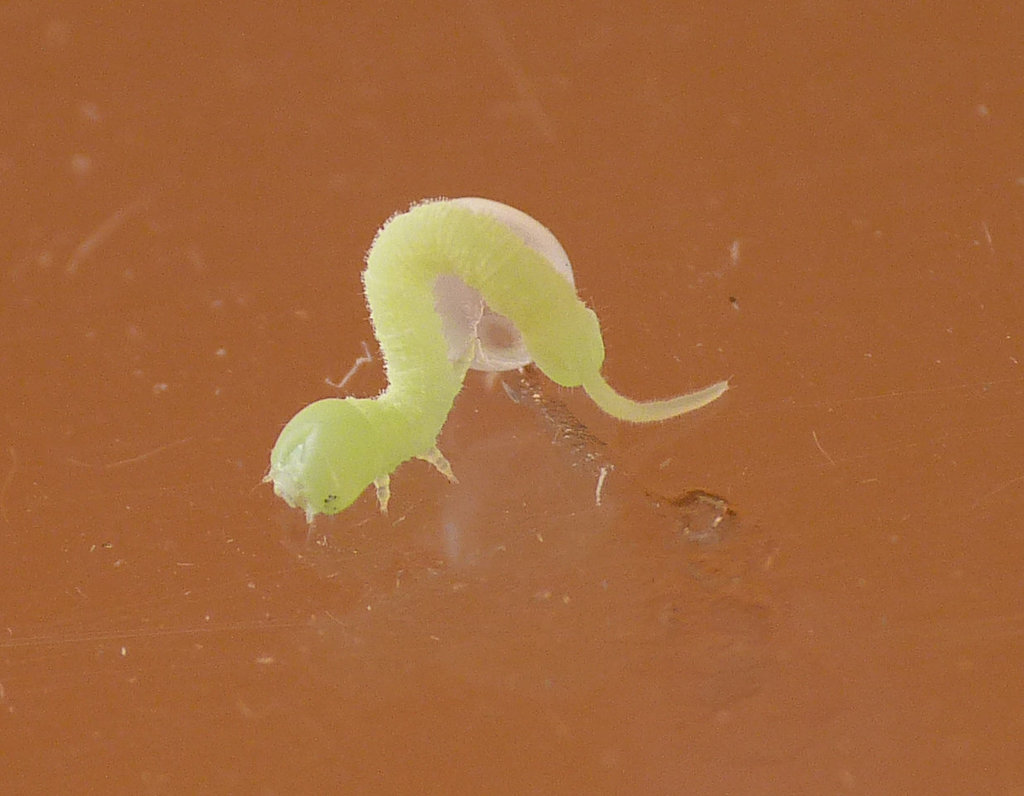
column 334, row 448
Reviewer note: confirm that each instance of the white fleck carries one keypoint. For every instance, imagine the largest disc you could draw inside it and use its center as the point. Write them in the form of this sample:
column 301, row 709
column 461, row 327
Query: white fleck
column 600, row 483
column 90, row 112
column 365, row 359
column 81, row 164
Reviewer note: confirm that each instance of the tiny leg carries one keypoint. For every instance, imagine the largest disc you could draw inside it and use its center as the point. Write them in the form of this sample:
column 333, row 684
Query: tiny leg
column 436, row 458
column 383, row 486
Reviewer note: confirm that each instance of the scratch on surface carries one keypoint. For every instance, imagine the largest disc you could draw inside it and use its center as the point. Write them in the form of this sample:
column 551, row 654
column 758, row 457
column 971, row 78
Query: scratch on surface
column 495, row 38
column 8, row 480
column 821, row 448
column 148, row 454
column 734, row 252
column 988, row 237
column 111, row 224
column 365, row 359
column 56, row 639
column 996, row 490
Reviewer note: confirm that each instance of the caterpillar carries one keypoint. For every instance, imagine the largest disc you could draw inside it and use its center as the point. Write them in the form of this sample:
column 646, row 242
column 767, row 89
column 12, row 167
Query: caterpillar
column 450, row 285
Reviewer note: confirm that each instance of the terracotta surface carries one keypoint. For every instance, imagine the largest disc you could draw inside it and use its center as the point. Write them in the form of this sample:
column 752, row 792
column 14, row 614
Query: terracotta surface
column 822, row 202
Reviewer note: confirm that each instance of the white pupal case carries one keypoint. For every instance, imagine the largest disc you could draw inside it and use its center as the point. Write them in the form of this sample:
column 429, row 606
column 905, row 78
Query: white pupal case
column 465, row 316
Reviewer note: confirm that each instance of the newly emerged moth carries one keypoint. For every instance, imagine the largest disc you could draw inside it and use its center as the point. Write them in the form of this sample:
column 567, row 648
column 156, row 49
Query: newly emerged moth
column 451, row 284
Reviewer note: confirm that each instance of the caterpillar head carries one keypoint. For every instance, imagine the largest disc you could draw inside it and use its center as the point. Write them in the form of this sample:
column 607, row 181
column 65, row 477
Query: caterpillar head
column 325, row 457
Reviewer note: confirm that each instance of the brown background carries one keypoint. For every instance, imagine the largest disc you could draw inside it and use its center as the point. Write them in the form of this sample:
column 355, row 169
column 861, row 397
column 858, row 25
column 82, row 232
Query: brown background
column 821, row 201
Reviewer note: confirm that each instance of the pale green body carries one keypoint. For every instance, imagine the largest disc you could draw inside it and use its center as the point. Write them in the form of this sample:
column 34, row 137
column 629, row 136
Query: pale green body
column 334, row 448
